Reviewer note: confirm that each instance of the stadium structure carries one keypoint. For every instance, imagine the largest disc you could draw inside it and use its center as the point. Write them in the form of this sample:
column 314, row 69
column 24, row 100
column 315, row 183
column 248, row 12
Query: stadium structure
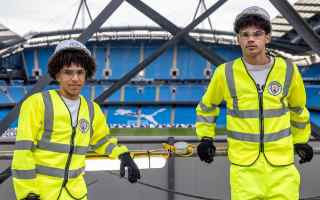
column 153, row 77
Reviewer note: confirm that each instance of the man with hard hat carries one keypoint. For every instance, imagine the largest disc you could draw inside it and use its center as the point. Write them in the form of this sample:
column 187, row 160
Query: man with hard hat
column 267, row 120
column 57, row 128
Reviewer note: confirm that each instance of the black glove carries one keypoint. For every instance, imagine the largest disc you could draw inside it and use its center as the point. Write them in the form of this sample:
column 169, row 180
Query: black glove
column 32, row 196
column 304, row 151
column 206, row 150
column 133, row 170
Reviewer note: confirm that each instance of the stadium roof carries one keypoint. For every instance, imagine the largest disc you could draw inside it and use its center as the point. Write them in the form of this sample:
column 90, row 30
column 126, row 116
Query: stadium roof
column 8, row 37
column 309, row 10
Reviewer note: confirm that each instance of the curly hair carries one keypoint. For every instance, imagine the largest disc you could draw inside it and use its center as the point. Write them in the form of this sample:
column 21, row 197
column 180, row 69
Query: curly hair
column 71, row 56
column 252, row 20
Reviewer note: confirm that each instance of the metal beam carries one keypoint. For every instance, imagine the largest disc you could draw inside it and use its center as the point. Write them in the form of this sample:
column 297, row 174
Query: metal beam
column 46, row 79
column 171, row 171
column 100, row 99
column 302, row 28
column 99, row 20
column 173, row 29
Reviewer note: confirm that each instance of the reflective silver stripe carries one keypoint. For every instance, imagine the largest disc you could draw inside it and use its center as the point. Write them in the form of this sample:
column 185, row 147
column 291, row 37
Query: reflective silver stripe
column 205, row 119
column 287, row 82
column 48, row 116
column 288, row 79
column 23, row 145
column 109, row 148
column 61, row 148
column 255, row 113
column 56, row 172
column 91, row 115
column 24, row 174
column 100, row 142
column 276, row 136
column 252, row 137
column 231, row 84
column 297, row 110
column 300, row 125
column 205, row 108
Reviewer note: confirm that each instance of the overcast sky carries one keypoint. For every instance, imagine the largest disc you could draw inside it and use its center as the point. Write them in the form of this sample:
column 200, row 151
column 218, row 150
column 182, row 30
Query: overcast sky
column 23, row 16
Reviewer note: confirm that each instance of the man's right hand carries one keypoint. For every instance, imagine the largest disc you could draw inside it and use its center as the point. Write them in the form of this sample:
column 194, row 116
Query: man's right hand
column 206, row 150
column 32, row 196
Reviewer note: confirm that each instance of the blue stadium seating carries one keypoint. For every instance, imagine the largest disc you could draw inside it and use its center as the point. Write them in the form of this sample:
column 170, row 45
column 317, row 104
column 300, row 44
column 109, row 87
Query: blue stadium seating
column 125, row 54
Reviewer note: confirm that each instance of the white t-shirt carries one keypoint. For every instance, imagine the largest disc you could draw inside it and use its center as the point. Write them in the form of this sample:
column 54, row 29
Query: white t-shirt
column 259, row 72
column 73, row 106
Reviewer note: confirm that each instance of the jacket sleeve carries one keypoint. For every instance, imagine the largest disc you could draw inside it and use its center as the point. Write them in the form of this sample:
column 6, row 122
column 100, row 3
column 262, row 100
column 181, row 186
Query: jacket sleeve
column 207, row 110
column 23, row 164
column 299, row 115
column 101, row 141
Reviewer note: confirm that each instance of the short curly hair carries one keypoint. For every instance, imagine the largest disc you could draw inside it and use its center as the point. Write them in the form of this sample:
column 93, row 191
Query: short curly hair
column 252, row 20
column 71, row 56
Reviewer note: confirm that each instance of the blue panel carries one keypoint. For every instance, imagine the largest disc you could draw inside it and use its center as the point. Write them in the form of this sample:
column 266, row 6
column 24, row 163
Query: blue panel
column 165, row 93
column 100, row 88
column 153, row 116
column 312, row 71
column 28, row 55
column 17, row 92
column 3, row 113
column 185, row 115
column 43, row 56
column 135, row 93
column 189, row 92
column 160, row 68
column 122, row 115
column 191, row 65
column 86, row 92
column 315, row 117
column 313, row 96
column 123, row 58
column 227, row 52
column 4, row 96
column 221, row 120
column 100, row 60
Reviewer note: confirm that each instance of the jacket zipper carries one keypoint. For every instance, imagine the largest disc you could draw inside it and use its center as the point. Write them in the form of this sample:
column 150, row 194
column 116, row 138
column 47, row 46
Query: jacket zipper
column 261, row 117
column 73, row 134
column 66, row 171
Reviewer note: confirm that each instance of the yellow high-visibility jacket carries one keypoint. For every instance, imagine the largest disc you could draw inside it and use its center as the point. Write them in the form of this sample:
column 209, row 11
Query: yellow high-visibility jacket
column 50, row 153
column 266, row 120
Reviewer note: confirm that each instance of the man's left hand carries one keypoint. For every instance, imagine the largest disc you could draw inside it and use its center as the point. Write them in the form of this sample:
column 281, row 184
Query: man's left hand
column 133, row 170
column 304, row 151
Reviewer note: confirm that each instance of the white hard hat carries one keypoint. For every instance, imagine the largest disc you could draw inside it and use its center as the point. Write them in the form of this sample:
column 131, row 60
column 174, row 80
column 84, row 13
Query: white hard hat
column 254, row 10
column 71, row 44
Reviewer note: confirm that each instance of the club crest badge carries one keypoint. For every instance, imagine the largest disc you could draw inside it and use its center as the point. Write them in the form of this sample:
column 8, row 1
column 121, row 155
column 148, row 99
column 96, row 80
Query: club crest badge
column 274, row 88
column 83, row 125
